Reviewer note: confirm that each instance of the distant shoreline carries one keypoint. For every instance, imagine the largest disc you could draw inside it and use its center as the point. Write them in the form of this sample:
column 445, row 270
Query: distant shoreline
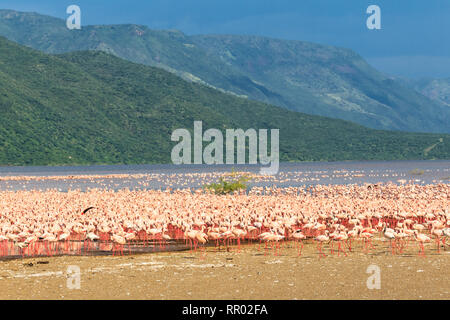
column 220, row 166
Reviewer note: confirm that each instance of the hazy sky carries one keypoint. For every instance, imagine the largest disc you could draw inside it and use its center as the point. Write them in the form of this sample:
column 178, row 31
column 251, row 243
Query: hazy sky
column 414, row 40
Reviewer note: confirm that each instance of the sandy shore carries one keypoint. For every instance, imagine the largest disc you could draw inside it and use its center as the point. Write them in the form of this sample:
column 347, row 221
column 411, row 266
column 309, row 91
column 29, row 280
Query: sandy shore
column 249, row 274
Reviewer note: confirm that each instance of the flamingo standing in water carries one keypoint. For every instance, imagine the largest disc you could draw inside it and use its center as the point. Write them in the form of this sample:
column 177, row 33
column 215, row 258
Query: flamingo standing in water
column 91, row 237
column 438, row 233
column 191, row 235
column 214, row 236
column 165, row 238
column 275, row 239
column 401, row 235
column 421, row 239
column 299, row 237
column 31, row 241
column 201, row 238
column 352, row 234
column 118, row 240
column 239, row 233
column 65, row 237
column 50, row 240
column 320, row 240
column 391, row 236
column 342, row 236
column 22, row 246
column 367, row 238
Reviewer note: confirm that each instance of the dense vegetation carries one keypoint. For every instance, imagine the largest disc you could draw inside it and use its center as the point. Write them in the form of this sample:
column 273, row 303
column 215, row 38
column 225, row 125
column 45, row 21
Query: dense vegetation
column 300, row 76
column 94, row 108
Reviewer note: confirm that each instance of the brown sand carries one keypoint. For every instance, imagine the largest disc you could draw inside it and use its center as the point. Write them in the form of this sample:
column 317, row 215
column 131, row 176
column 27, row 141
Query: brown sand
column 231, row 275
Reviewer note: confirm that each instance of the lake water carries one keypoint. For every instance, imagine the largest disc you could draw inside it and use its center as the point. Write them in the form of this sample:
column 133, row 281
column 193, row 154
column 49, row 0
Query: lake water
column 290, row 174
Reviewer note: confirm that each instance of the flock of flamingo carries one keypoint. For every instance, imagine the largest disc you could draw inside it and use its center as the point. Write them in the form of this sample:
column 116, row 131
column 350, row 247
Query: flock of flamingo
column 158, row 180
column 50, row 222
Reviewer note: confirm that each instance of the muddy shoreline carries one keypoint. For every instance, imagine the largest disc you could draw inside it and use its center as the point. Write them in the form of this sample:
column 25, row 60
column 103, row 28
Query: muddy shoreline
column 252, row 273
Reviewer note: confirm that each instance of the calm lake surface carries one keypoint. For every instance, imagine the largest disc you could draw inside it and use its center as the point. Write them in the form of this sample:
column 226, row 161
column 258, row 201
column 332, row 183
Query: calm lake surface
column 290, row 174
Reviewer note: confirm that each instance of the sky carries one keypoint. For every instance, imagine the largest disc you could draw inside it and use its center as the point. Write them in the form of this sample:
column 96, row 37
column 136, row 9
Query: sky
column 414, row 40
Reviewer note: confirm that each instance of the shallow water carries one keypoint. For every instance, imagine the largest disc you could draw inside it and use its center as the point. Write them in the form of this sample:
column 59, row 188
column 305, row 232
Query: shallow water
column 290, row 174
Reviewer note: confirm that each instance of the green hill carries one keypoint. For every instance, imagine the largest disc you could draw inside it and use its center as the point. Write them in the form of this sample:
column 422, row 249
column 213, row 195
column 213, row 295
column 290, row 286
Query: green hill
column 301, row 76
column 95, row 108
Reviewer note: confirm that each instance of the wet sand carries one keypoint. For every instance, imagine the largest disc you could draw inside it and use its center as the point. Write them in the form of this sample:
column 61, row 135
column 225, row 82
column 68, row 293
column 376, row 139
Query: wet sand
column 249, row 274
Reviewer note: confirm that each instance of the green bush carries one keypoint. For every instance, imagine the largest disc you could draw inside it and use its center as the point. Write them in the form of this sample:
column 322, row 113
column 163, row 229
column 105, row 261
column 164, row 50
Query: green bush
column 417, row 172
column 236, row 182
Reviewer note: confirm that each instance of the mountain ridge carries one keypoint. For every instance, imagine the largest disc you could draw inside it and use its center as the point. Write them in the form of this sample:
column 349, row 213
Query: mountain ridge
column 296, row 78
column 94, row 108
